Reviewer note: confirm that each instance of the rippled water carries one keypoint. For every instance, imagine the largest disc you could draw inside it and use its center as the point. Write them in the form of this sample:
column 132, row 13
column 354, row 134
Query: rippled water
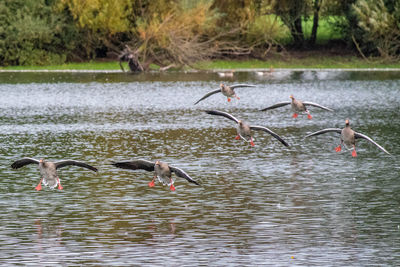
column 263, row 205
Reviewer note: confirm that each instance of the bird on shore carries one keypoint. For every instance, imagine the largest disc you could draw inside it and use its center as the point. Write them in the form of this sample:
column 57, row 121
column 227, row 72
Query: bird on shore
column 347, row 137
column 48, row 170
column 162, row 171
column 226, row 90
column 244, row 130
column 297, row 106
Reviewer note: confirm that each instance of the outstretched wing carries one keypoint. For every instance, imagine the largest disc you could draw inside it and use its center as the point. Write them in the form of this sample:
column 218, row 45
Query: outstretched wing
column 241, row 85
column 277, row 105
column 327, row 130
column 316, row 105
column 208, row 94
column 363, row 136
column 181, row 173
column 63, row 163
column 265, row 129
column 135, row 164
column 221, row 113
column 22, row 162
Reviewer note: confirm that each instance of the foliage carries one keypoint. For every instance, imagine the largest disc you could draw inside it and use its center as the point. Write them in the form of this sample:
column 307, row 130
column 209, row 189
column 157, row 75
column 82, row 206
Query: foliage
column 181, row 32
column 30, row 33
column 381, row 27
column 176, row 36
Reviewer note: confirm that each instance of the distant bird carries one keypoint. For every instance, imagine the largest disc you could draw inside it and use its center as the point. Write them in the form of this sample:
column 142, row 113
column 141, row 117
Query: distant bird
column 297, row 106
column 348, row 138
column 48, row 170
column 226, row 73
column 244, row 130
column 162, row 171
column 265, row 72
column 226, row 90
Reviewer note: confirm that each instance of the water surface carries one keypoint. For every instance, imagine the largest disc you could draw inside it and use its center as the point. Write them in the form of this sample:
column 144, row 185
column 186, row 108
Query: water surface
column 264, row 205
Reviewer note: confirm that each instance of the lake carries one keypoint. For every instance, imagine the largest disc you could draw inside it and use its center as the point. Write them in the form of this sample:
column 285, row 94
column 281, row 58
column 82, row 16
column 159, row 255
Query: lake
column 302, row 205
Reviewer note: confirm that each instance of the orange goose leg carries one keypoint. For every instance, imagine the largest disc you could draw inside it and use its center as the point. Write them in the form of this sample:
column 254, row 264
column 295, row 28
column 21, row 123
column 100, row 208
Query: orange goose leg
column 59, row 184
column 354, row 153
column 237, row 137
column 151, row 184
column 295, row 115
column 229, row 100
column 172, row 187
column 338, row 148
column 39, row 186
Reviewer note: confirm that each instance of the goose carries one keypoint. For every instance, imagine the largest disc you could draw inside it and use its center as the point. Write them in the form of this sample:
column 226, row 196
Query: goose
column 244, row 130
column 297, row 106
column 162, row 171
column 226, row 90
column 265, row 72
column 347, row 137
column 226, row 73
column 48, row 170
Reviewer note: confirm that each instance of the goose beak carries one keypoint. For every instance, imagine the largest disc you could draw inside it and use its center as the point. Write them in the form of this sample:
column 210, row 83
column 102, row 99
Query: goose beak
column 347, row 121
column 291, row 96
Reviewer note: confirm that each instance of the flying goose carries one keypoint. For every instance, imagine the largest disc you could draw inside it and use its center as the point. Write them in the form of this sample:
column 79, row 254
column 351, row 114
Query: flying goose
column 226, row 90
column 162, row 171
column 48, row 170
column 348, row 138
column 297, row 106
column 244, row 130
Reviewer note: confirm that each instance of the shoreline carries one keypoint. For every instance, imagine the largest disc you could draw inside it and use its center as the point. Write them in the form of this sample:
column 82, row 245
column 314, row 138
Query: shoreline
column 204, row 71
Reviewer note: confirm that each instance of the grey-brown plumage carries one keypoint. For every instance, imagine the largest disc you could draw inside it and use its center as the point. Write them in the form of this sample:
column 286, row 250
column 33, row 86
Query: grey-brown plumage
column 48, row 170
column 297, row 106
column 347, row 137
column 226, row 90
column 162, row 171
column 244, row 130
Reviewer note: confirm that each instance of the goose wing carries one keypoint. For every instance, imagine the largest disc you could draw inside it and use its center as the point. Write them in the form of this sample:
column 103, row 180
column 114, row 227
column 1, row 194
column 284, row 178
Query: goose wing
column 221, row 113
column 265, row 129
column 63, row 163
column 181, row 173
column 241, row 85
column 327, row 130
column 22, row 162
column 208, row 94
column 316, row 105
column 135, row 164
column 277, row 105
column 363, row 136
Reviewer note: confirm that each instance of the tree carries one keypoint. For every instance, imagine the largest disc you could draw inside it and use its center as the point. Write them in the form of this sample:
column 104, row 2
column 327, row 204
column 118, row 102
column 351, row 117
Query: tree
column 380, row 25
column 291, row 12
column 31, row 33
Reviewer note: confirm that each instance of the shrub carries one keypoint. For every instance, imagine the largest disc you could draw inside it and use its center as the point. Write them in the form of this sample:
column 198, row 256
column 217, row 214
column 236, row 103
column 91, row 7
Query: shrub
column 31, row 33
column 381, row 27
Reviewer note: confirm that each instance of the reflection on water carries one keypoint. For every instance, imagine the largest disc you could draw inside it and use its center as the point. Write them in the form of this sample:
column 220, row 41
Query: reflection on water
column 268, row 204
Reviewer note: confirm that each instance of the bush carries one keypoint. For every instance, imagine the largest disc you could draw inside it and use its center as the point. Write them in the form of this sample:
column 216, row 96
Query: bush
column 380, row 26
column 31, row 33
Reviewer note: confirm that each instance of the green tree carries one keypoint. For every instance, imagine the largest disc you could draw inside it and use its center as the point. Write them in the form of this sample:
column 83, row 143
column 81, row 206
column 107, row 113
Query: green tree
column 380, row 24
column 32, row 33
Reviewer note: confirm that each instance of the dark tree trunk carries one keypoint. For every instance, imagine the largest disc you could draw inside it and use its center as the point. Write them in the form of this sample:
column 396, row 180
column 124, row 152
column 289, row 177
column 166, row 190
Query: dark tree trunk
column 313, row 37
column 297, row 33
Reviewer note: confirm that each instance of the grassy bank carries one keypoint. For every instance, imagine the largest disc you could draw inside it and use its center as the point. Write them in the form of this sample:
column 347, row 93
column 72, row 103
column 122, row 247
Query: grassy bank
column 292, row 62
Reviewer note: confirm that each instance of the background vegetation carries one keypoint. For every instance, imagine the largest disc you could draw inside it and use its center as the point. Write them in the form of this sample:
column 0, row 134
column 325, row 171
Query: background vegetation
column 183, row 32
